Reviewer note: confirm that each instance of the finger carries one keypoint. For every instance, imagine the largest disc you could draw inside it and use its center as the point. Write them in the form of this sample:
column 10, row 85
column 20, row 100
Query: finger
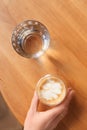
column 68, row 98
column 34, row 103
column 58, row 119
column 60, row 108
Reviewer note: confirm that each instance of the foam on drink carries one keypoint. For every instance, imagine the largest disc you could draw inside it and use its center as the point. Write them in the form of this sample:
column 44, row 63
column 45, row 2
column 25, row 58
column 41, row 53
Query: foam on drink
column 51, row 90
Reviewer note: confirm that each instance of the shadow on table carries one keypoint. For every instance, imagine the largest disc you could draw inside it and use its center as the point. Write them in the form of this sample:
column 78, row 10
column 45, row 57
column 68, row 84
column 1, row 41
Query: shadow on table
column 7, row 119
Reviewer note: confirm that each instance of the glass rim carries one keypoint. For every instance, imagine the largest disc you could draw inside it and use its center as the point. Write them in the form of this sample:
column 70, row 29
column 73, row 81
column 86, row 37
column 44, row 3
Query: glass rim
column 44, row 33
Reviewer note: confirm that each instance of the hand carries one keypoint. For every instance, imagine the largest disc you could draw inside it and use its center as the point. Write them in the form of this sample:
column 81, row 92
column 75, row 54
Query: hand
column 49, row 119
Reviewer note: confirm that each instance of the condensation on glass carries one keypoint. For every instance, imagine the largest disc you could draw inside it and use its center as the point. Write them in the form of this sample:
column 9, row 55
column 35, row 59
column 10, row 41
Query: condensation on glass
column 30, row 39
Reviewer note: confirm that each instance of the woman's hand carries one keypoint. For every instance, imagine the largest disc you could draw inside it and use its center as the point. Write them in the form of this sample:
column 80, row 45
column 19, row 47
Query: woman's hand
column 49, row 119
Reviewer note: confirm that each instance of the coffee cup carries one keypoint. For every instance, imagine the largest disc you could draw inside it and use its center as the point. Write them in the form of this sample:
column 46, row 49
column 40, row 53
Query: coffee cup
column 51, row 90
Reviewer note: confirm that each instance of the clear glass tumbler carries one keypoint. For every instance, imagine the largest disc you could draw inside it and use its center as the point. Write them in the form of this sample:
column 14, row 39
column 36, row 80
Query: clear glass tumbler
column 30, row 39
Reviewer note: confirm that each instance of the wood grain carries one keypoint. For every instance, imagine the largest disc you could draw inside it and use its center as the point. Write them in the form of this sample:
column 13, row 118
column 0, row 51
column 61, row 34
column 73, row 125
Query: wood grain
column 67, row 55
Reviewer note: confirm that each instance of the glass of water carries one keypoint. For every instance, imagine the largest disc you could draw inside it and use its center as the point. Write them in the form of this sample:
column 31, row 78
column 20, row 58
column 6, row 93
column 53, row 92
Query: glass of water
column 30, row 39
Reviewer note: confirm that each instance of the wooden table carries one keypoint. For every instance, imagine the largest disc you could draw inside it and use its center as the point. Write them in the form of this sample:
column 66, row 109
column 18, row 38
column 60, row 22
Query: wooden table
column 67, row 55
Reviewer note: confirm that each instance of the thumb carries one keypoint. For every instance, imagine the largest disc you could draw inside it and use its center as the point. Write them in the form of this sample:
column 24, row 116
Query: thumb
column 34, row 103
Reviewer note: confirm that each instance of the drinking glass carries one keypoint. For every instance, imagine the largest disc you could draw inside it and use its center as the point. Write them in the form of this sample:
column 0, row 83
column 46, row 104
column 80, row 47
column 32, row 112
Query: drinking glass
column 30, row 39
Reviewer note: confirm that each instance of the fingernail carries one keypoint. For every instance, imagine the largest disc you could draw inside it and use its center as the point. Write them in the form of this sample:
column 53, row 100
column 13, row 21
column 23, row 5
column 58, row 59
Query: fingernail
column 69, row 88
column 73, row 92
